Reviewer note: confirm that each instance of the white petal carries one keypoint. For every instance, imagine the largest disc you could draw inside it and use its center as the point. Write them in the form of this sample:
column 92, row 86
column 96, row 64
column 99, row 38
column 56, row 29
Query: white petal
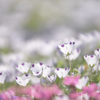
column 82, row 82
column 46, row 71
column 24, row 67
column 21, row 81
column 2, row 77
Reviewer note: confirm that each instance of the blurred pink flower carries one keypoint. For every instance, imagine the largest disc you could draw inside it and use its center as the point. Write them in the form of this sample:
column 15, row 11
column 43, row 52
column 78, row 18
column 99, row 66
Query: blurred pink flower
column 21, row 98
column 41, row 92
column 71, row 80
column 74, row 96
column 89, row 89
column 7, row 94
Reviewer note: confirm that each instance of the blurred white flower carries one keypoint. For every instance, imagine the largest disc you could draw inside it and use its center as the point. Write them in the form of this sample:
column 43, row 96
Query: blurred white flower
column 23, row 80
column 90, row 37
column 81, row 69
column 82, row 82
column 10, row 72
column 91, row 60
column 98, row 84
column 67, row 48
column 83, row 97
column 97, row 53
column 62, row 97
column 46, row 71
column 37, row 69
column 97, row 35
column 33, row 46
column 96, row 67
column 62, row 72
column 24, row 67
column 74, row 55
column 51, row 78
column 49, row 48
column 13, row 58
column 2, row 77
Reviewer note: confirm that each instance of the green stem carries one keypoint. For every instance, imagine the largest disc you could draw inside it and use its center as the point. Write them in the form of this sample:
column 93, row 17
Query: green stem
column 91, row 75
column 70, row 66
column 3, row 87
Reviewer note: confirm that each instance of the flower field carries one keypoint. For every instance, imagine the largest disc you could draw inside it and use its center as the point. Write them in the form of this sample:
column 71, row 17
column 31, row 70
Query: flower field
column 49, row 50
column 68, row 69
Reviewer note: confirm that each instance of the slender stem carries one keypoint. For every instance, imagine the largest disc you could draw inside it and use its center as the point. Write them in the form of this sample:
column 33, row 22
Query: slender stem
column 91, row 75
column 70, row 66
column 3, row 87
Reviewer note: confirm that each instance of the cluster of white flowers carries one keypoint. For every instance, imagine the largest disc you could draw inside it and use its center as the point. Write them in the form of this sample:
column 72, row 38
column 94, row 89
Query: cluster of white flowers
column 70, row 51
column 45, row 73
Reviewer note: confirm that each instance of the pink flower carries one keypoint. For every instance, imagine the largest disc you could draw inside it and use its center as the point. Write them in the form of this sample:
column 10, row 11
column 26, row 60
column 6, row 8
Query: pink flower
column 92, row 91
column 30, row 91
column 7, row 95
column 21, row 98
column 41, row 92
column 47, row 92
column 89, row 89
column 71, row 80
column 94, row 94
column 74, row 95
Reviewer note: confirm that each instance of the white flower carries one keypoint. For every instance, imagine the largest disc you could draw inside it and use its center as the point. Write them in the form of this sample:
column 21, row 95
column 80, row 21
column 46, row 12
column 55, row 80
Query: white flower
column 37, row 69
column 74, row 55
column 51, row 78
column 82, row 82
column 83, row 97
column 10, row 72
column 2, row 77
column 91, row 60
column 46, row 71
column 24, row 67
column 98, row 84
column 96, row 67
column 97, row 53
column 90, row 38
column 61, row 72
column 23, row 81
column 81, row 69
column 67, row 48
column 13, row 58
column 63, row 97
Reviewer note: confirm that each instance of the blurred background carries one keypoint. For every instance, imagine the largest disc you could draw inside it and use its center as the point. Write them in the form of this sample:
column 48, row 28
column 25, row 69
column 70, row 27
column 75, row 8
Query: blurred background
column 31, row 26
column 34, row 27
column 48, row 19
